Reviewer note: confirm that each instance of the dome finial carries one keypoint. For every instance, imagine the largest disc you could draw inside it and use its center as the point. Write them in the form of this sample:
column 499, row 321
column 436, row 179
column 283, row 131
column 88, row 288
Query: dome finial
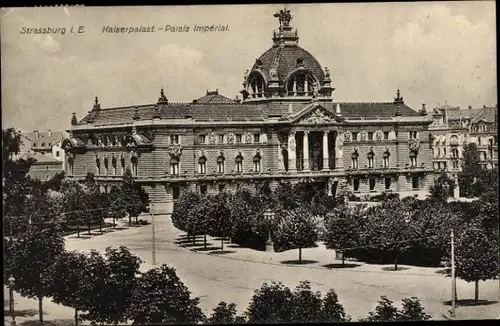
column 162, row 98
column 284, row 16
column 97, row 106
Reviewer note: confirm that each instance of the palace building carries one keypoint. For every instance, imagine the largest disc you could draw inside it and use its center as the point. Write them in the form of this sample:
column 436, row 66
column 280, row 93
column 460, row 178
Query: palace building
column 286, row 127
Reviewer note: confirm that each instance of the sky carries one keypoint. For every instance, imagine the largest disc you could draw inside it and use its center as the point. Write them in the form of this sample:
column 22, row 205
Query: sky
column 434, row 52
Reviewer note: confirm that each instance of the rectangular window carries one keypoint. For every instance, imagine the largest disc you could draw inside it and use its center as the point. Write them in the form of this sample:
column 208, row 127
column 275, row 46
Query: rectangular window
column 414, row 182
column 354, row 136
column 174, row 139
column 355, row 184
column 372, row 184
column 370, row 135
column 201, row 139
column 176, row 191
column 387, row 183
column 386, row 135
column 238, row 138
column 256, row 138
column 412, row 135
column 57, row 153
column 203, row 189
column 220, row 138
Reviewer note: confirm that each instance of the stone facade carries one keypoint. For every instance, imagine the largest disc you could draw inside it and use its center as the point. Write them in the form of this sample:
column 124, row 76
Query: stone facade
column 287, row 127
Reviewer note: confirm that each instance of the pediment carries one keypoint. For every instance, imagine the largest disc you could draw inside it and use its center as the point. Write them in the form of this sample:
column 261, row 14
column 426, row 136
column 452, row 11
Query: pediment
column 317, row 115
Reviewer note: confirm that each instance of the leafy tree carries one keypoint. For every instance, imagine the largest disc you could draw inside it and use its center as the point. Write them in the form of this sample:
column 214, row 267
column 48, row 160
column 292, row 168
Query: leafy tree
column 137, row 198
column 442, row 188
column 332, row 310
column 67, row 280
column 107, row 298
column 187, row 202
column 271, row 304
column 93, row 201
column 220, row 219
column 197, row 222
column 412, row 310
column 476, row 257
column 30, row 257
column 342, row 227
column 117, row 203
column 223, row 314
column 74, row 203
column 296, row 230
column 55, row 182
column 284, row 197
column 388, row 227
column 249, row 227
column 471, row 170
column 305, row 304
column 160, row 297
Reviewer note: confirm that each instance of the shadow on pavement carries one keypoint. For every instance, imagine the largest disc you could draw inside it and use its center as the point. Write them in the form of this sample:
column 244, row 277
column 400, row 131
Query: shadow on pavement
column 440, row 271
column 208, row 248
column 471, row 302
column 391, row 269
column 191, row 244
column 221, row 252
column 119, row 228
column 340, row 265
column 83, row 237
column 296, row 262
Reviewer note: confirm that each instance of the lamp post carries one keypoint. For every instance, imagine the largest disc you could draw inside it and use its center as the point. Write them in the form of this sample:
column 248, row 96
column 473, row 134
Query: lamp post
column 269, row 217
column 12, row 280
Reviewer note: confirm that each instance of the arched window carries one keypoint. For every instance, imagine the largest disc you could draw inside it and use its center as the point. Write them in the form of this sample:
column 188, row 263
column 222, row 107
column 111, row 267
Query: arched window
column 256, row 163
column 239, row 163
column 386, row 157
column 113, row 163
column 220, row 164
column 300, row 83
column 202, row 165
column 354, row 159
column 413, row 159
column 122, row 163
column 256, row 85
column 134, row 162
column 174, row 166
column 370, row 159
column 106, row 165
column 70, row 165
column 98, row 165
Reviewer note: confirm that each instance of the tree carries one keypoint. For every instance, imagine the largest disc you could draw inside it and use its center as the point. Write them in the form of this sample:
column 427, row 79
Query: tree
column 388, row 228
column 296, row 230
column 93, row 201
column 412, row 310
column 220, row 219
column 137, row 198
column 67, row 280
column 160, row 297
column 476, row 257
column 117, row 203
column 471, row 170
column 332, row 310
column 342, row 227
column 197, row 222
column 74, row 203
column 183, row 208
column 305, row 304
column 111, row 282
column 30, row 257
column 442, row 188
column 55, row 182
column 271, row 304
column 223, row 314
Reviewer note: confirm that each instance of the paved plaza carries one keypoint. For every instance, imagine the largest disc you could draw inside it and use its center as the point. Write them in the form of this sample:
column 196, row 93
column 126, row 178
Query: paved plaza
column 233, row 276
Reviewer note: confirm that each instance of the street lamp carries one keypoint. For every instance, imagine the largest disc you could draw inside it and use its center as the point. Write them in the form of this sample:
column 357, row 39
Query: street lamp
column 12, row 280
column 269, row 217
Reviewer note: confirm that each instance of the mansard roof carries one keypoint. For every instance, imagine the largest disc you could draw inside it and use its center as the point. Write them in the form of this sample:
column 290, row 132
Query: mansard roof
column 243, row 111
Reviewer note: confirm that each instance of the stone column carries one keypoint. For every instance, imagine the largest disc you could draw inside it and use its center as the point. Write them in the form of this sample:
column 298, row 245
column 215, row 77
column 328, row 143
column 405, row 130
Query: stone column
column 292, row 155
column 339, row 142
column 306, row 150
column 294, row 86
column 306, row 92
column 456, row 190
column 326, row 155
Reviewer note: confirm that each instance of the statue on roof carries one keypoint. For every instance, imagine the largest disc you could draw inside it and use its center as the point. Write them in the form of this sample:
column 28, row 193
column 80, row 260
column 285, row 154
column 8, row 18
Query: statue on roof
column 284, row 17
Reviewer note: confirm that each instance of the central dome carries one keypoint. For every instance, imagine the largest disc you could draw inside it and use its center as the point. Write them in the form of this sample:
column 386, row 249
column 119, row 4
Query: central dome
column 289, row 60
column 286, row 69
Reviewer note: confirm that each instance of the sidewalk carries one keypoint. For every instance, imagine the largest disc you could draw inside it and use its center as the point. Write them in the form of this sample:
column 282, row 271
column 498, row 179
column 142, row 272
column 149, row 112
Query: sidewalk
column 486, row 311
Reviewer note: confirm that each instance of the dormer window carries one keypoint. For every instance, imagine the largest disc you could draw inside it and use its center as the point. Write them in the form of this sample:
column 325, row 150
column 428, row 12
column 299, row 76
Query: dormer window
column 256, row 85
column 301, row 83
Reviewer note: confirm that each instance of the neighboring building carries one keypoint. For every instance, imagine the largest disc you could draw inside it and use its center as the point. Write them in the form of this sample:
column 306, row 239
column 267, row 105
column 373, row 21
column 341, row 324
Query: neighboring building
column 287, row 127
column 45, row 166
column 453, row 127
column 44, row 142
